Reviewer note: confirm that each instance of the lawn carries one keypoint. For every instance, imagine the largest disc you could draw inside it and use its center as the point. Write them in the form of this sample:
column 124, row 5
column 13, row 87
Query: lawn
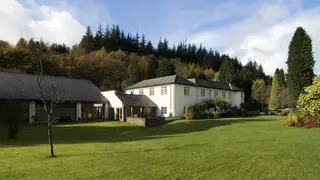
column 235, row 148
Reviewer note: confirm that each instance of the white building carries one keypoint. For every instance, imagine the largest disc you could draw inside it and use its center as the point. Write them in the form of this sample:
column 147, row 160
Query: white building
column 173, row 93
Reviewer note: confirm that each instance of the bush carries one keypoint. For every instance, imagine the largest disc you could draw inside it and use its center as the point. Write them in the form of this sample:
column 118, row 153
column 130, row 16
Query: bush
column 216, row 114
column 292, row 119
column 302, row 119
column 188, row 115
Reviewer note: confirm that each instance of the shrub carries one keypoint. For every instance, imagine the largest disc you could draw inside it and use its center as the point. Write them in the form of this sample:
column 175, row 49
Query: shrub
column 221, row 105
column 189, row 115
column 310, row 99
column 291, row 120
column 216, row 114
column 302, row 119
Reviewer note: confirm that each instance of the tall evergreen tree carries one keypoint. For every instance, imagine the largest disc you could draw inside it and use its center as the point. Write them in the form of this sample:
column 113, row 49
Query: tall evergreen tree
column 149, row 48
column 133, row 70
column 282, row 79
column 227, row 71
column 98, row 38
column 300, row 62
column 143, row 44
column 166, row 68
column 87, row 41
column 22, row 43
column 152, row 66
column 274, row 101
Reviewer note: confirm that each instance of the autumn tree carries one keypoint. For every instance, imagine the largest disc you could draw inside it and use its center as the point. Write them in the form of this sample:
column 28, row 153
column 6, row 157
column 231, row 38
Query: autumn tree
column 259, row 92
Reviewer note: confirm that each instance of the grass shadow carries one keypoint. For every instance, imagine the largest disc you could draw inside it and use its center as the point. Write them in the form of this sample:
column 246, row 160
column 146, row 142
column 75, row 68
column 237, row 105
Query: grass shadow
column 113, row 132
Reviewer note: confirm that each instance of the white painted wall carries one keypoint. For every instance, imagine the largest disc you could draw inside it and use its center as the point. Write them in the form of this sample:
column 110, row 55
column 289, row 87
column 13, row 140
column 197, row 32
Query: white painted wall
column 182, row 100
column 175, row 100
column 157, row 98
column 113, row 99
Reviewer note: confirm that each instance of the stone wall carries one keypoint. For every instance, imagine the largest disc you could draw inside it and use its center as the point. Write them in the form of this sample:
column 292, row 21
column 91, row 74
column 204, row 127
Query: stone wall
column 146, row 122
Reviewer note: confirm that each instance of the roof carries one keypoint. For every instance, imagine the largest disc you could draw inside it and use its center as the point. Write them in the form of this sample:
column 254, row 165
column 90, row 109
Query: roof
column 135, row 100
column 215, row 84
column 174, row 79
column 24, row 86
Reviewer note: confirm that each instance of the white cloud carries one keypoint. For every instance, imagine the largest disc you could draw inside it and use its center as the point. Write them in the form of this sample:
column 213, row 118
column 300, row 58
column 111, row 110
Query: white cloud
column 38, row 21
column 264, row 35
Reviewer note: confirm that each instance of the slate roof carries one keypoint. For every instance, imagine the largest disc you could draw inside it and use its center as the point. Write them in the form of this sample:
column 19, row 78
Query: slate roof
column 135, row 100
column 174, row 79
column 23, row 86
column 215, row 84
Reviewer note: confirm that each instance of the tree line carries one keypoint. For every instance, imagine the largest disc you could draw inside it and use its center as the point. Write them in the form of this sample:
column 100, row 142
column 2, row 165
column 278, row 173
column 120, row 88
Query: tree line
column 112, row 59
column 286, row 88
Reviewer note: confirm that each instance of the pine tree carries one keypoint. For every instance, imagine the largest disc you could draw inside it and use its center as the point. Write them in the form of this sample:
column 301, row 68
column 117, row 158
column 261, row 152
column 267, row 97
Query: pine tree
column 22, row 43
column 87, row 41
column 149, row 48
column 300, row 62
column 143, row 44
column 166, row 68
column 133, row 70
column 152, row 66
column 282, row 79
column 98, row 38
column 274, row 101
column 227, row 71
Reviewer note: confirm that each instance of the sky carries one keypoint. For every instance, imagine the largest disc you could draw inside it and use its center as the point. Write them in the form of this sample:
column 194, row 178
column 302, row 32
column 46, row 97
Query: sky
column 247, row 29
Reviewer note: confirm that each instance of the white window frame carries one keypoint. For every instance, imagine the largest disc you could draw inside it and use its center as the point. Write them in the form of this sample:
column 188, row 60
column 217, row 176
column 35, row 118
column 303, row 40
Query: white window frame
column 186, row 91
column 163, row 110
column 151, row 91
column 164, row 90
column 141, row 91
column 230, row 95
column 209, row 92
column 203, row 92
column 223, row 94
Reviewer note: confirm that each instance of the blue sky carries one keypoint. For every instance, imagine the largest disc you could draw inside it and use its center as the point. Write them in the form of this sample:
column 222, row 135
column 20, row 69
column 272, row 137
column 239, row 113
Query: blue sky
column 258, row 30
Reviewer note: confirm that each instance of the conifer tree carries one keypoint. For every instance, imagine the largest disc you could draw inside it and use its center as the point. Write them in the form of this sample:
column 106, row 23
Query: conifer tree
column 87, row 41
column 274, row 101
column 300, row 62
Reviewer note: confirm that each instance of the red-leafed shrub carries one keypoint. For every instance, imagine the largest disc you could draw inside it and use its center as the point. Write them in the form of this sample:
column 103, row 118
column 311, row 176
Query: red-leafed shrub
column 302, row 119
column 311, row 124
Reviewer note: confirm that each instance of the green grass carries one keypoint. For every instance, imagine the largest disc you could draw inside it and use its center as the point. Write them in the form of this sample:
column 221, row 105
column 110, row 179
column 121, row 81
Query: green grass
column 235, row 148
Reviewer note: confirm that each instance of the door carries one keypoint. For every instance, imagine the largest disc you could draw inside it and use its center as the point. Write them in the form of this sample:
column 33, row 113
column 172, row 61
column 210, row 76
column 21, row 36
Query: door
column 119, row 114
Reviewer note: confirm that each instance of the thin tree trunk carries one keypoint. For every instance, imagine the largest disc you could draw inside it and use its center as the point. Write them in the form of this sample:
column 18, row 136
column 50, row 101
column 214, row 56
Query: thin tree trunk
column 50, row 136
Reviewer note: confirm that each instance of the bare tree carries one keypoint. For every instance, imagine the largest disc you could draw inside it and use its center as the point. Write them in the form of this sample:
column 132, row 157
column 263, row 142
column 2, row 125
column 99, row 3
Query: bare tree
column 49, row 94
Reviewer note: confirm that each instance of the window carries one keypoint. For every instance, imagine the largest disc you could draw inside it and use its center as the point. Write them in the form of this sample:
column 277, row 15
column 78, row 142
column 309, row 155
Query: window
column 242, row 95
column 141, row 91
column 163, row 90
column 131, row 92
column 223, row 94
column 203, row 92
column 209, row 93
column 216, row 93
column 229, row 95
column 163, row 110
column 151, row 91
column 186, row 91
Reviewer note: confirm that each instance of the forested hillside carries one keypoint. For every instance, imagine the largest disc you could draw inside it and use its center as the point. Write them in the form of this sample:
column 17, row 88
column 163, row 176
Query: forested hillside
column 113, row 59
